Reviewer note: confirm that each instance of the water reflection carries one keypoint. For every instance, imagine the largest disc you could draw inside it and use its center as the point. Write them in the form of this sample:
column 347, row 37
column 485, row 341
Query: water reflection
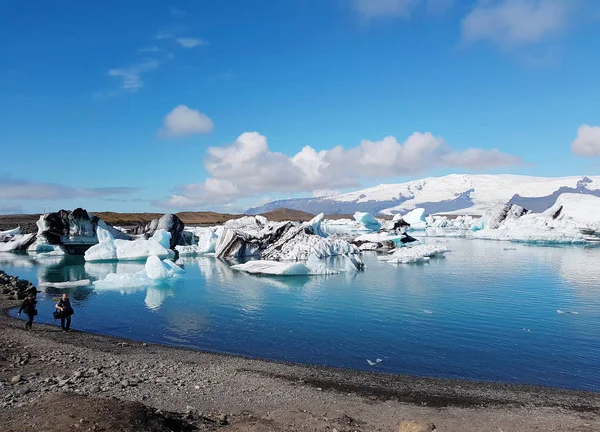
column 460, row 316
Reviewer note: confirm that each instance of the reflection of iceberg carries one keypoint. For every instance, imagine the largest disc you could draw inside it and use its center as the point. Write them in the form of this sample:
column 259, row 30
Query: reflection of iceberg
column 155, row 297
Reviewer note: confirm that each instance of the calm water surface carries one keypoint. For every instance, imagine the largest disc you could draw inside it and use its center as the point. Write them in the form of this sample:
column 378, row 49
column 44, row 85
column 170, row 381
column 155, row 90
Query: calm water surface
column 487, row 311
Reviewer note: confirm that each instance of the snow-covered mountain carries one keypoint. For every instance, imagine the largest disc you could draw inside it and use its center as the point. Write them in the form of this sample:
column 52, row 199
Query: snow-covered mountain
column 455, row 193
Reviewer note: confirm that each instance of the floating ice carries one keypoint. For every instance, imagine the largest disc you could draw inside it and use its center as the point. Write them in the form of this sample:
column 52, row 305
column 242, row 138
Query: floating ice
column 416, row 219
column 313, row 266
column 156, row 271
column 4, row 235
column 16, row 242
column 560, row 312
column 315, row 225
column 427, row 311
column 373, row 363
column 415, row 254
column 109, row 249
column 66, row 285
column 367, row 220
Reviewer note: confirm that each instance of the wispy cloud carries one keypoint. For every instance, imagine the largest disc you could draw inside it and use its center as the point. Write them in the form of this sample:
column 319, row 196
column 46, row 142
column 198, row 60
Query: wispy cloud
column 22, row 189
column 518, row 22
column 184, row 41
column 131, row 76
column 190, row 42
column 371, row 9
column 176, row 12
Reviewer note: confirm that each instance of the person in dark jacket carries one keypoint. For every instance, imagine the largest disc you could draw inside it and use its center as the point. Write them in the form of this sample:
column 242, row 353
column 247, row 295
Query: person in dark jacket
column 28, row 307
column 64, row 306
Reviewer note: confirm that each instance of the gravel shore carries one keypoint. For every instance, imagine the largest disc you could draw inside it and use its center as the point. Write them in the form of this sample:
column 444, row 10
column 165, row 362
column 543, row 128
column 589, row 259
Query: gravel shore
column 51, row 380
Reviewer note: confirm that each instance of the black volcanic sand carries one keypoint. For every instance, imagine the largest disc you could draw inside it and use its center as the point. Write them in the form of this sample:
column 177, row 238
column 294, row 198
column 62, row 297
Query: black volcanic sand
column 55, row 381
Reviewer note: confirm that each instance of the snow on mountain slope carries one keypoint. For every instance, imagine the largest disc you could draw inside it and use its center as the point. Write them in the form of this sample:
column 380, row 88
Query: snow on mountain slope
column 455, row 193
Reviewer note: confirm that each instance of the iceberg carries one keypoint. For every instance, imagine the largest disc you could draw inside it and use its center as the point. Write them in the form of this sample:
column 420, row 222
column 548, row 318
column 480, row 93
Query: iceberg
column 311, row 267
column 5, row 235
column 416, row 219
column 315, row 225
column 367, row 220
column 16, row 242
column 66, row 285
column 109, row 249
column 414, row 254
column 573, row 219
column 156, row 271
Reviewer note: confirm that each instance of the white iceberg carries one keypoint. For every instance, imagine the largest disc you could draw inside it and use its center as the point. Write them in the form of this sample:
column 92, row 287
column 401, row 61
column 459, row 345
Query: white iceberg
column 414, row 254
column 367, row 220
column 207, row 243
column 109, row 249
column 156, row 271
column 573, row 219
column 315, row 225
column 416, row 219
column 311, row 267
column 66, row 285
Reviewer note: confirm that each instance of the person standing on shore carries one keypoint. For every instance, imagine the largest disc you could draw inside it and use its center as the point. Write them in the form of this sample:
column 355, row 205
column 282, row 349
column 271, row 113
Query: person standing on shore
column 64, row 305
column 28, row 307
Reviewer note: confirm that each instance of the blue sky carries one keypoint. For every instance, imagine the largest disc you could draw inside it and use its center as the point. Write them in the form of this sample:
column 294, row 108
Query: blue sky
column 190, row 105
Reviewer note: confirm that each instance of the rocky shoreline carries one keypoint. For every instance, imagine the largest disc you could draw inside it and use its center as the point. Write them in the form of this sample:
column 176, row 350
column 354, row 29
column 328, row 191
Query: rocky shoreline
column 51, row 381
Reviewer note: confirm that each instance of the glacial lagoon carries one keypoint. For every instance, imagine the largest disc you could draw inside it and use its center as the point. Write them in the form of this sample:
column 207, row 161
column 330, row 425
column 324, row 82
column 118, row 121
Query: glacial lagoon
column 487, row 310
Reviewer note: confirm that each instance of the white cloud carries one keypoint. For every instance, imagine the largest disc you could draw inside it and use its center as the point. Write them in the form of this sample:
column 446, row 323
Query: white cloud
column 516, row 22
column 475, row 159
column 247, row 167
column 130, row 77
column 370, row 9
column 21, row 189
column 190, row 42
column 587, row 143
column 182, row 121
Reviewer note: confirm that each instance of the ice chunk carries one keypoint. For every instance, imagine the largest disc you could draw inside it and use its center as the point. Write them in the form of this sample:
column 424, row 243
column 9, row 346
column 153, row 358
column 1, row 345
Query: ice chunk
column 155, row 272
column 5, row 235
column 67, row 284
column 110, row 249
column 17, row 242
column 207, row 242
column 415, row 254
column 278, row 268
column 315, row 225
column 416, row 219
column 163, row 237
column 367, row 220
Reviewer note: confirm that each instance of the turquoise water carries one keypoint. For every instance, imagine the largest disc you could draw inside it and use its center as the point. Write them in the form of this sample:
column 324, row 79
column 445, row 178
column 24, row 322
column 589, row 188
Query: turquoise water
column 486, row 311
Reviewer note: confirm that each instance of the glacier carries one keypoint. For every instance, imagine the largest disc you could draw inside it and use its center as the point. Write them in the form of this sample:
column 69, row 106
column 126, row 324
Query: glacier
column 457, row 194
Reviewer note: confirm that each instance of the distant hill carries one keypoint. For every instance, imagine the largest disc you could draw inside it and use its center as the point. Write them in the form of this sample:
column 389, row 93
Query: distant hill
column 451, row 194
